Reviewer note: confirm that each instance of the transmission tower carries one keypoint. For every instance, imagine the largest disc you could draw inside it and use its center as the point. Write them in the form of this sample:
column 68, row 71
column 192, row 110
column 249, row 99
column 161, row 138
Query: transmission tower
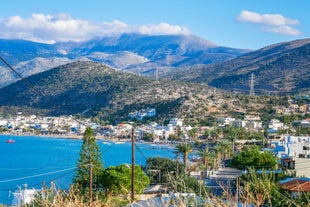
column 252, row 93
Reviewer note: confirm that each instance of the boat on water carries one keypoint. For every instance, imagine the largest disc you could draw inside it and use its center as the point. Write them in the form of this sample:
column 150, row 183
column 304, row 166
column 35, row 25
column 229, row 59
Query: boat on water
column 107, row 143
column 10, row 141
column 119, row 142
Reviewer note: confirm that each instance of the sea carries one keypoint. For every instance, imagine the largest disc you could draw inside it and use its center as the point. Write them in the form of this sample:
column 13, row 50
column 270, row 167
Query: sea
column 31, row 161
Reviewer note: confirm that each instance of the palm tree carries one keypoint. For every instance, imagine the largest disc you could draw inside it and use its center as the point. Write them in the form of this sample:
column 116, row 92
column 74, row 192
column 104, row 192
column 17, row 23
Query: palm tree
column 185, row 149
column 208, row 157
column 216, row 134
column 204, row 155
column 227, row 149
column 223, row 149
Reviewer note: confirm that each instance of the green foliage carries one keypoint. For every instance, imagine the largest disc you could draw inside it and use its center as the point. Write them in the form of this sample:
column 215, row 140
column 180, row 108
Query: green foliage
column 207, row 121
column 90, row 156
column 184, row 149
column 188, row 184
column 117, row 179
column 193, row 133
column 254, row 158
column 259, row 189
column 148, row 136
column 223, row 149
column 209, row 158
column 3, row 129
column 179, row 132
column 160, row 169
column 172, row 137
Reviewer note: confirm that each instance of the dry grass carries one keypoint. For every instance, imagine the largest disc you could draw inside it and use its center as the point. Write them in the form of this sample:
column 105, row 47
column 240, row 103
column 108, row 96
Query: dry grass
column 256, row 193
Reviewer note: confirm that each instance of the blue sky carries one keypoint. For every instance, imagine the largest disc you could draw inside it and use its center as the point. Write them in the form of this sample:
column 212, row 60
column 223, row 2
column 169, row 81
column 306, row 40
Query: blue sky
column 248, row 24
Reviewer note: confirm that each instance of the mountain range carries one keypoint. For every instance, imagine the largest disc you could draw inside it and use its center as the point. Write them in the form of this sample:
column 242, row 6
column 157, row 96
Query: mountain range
column 141, row 54
column 282, row 68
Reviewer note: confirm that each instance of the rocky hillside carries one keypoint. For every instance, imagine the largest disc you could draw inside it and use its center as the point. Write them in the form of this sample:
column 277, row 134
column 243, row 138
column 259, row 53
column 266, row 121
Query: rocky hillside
column 281, row 68
column 96, row 90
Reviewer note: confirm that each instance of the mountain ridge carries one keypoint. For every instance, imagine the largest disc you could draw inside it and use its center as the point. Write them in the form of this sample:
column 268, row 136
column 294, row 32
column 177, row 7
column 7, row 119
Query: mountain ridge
column 280, row 68
column 137, row 53
column 94, row 89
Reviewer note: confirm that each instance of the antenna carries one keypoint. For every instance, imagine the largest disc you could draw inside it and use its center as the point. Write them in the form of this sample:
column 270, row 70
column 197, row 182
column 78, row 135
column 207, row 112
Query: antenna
column 252, row 93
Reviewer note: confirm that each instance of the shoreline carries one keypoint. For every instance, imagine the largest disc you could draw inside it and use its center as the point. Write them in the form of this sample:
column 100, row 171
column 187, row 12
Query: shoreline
column 66, row 136
column 80, row 137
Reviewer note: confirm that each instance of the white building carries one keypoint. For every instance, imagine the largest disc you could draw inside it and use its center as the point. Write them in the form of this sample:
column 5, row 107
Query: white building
column 226, row 121
column 295, row 146
column 176, row 122
column 275, row 124
column 238, row 123
column 3, row 123
column 251, row 117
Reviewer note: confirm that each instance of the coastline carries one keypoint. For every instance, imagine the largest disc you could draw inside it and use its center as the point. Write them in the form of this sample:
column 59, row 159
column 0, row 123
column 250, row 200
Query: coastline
column 66, row 136
column 80, row 137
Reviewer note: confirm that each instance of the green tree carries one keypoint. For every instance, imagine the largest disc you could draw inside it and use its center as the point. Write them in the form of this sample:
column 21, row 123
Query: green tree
column 184, row 149
column 90, row 160
column 117, row 179
column 160, row 169
column 148, row 136
column 185, row 183
column 224, row 148
column 215, row 134
column 193, row 133
column 178, row 132
column 254, row 158
column 208, row 157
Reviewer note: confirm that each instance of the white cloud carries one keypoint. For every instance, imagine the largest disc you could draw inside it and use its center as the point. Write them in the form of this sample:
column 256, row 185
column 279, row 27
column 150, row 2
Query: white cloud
column 163, row 28
column 62, row 27
column 275, row 23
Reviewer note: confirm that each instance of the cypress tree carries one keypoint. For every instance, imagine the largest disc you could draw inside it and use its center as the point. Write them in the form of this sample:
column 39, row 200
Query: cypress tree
column 90, row 157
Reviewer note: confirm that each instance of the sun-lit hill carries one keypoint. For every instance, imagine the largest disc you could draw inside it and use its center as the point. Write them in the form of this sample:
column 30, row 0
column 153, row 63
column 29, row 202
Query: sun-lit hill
column 281, row 68
column 94, row 89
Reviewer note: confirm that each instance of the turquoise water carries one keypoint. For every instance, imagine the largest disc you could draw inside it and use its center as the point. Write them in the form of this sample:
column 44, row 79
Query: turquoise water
column 32, row 160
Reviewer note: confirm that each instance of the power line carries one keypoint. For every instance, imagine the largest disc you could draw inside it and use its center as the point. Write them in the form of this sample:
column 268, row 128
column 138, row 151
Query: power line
column 43, row 166
column 140, row 151
column 52, row 179
column 31, row 86
column 38, row 175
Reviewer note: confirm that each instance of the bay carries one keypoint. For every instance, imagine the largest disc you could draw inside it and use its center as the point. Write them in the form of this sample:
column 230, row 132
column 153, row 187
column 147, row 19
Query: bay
column 31, row 160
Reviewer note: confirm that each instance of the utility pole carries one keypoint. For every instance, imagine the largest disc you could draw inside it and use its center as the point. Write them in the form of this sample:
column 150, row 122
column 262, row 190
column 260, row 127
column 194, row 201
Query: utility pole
column 176, row 171
column 90, row 184
column 132, row 164
column 177, row 166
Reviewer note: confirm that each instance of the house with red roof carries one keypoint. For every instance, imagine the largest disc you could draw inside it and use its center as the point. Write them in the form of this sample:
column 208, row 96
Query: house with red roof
column 296, row 186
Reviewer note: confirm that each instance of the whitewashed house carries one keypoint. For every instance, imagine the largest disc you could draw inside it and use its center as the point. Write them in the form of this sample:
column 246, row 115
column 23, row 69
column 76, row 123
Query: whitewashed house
column 295, row 146
column 275, row 124
column 176, row 122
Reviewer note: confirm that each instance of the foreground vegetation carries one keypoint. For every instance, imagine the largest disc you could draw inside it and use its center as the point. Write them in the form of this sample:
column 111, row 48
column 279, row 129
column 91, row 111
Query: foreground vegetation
column 93, row 185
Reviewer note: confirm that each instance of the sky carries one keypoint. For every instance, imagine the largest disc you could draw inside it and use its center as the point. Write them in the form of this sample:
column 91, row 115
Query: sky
column 245, row 24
